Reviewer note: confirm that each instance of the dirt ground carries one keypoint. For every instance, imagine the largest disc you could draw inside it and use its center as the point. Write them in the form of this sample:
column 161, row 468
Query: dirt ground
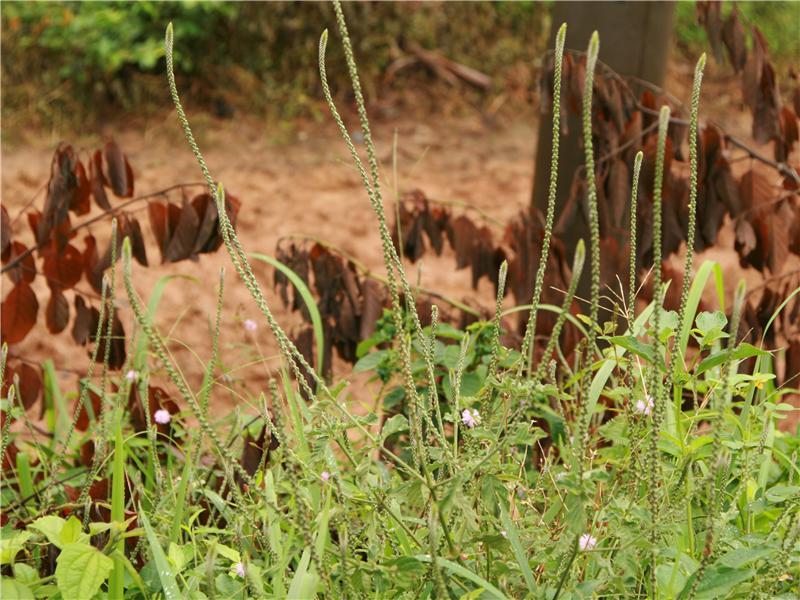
column 299, row 183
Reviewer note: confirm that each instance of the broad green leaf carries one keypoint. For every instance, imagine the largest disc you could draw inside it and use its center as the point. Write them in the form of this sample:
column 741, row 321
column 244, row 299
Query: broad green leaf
column 744, row 350
column 711, row 321
column 395, row 424
column 740, row 557
column 25, row 573
column 634, row 345
column 71, row 532
column 11, row 545
column 81, row 569
column 370, row 361
column 12, row 589
column 717, row 581
column 779, row 493
column 50, row 526
column 179, row 556
column 228, row 552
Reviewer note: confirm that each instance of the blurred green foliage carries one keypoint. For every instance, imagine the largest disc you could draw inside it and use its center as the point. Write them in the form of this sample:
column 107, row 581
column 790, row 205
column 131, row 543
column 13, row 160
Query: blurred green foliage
column 256, row 55
column 778, row 21
column 78, row 60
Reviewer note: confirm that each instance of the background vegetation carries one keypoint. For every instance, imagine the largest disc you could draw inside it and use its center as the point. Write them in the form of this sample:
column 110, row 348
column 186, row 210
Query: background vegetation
column 63, row 59
column 99, row 55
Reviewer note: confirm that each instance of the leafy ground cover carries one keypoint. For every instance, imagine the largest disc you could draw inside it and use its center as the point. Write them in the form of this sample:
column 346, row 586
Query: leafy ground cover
column 645, row 463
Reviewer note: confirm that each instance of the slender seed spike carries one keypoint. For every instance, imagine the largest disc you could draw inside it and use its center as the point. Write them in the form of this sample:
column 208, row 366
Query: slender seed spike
column 526, row 352
column 637, row 169
column 663, row 126
column 594, row 227
column 501, row 288
column 631, row 305
column 577, row 268
column 690, row 231
column 594, row 47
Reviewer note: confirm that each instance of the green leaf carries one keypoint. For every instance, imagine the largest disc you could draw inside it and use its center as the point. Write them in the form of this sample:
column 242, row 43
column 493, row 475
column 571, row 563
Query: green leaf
column 634, row 345
column 11, row 545
column 180, row 556
column 304, row 582
column 779, row 493
column 50, row 526
column 229, row 553
column 696, row 293
column 743, row 350
column 396, row 424
column 740, row 557
column 519, row 552
column 370, row 361
column 457, row 569
column 25, row 573
column 81, row 569
column 711, row 326
column 12, row 589
column 717, row 582
column 71, row 532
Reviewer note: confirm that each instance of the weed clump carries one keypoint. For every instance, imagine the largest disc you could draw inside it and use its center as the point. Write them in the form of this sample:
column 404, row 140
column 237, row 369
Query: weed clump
column 639, row 468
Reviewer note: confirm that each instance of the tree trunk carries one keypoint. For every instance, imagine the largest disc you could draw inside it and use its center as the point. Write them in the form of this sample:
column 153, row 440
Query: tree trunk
column 634, row 41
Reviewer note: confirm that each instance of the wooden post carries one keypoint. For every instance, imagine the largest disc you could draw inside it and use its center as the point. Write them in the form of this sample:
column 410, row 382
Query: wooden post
column 634, row 40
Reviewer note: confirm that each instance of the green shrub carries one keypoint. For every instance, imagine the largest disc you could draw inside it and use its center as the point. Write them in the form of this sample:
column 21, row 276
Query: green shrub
column 92, row 57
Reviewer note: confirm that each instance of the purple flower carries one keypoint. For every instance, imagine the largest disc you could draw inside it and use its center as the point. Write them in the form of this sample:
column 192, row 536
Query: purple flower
column 470, row 418
column 238, row 568
column 250, row 325
column 645, row 407
column 587, row 542
column 162, row 416
column 131, row 375
column 325, row 476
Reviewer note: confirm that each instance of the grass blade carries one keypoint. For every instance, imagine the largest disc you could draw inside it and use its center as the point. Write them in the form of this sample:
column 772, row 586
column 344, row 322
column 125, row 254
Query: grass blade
column 308, row 299
column 457, row 569
column 169, row 585
column 519, row 552
column 116, row 582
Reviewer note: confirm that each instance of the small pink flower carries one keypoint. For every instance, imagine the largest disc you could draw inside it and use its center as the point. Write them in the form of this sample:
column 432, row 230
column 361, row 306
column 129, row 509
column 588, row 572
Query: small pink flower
column 325, row 476
column 131, row 375
column 162, row 416
column 587, row 542
column 250, row 325
column 645, row 407
column 238, row 568
column 470, row 418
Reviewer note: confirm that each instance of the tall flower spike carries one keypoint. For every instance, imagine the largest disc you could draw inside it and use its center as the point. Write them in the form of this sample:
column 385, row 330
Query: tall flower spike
column 594, row 229
column 526, row 352
column 637, row 169
column 237, row 255
column 690, row 230
column 656, row 382
column 577, row 268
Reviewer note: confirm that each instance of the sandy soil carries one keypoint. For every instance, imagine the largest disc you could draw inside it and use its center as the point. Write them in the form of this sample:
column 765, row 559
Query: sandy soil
column 305, row 186
column 303, row 183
